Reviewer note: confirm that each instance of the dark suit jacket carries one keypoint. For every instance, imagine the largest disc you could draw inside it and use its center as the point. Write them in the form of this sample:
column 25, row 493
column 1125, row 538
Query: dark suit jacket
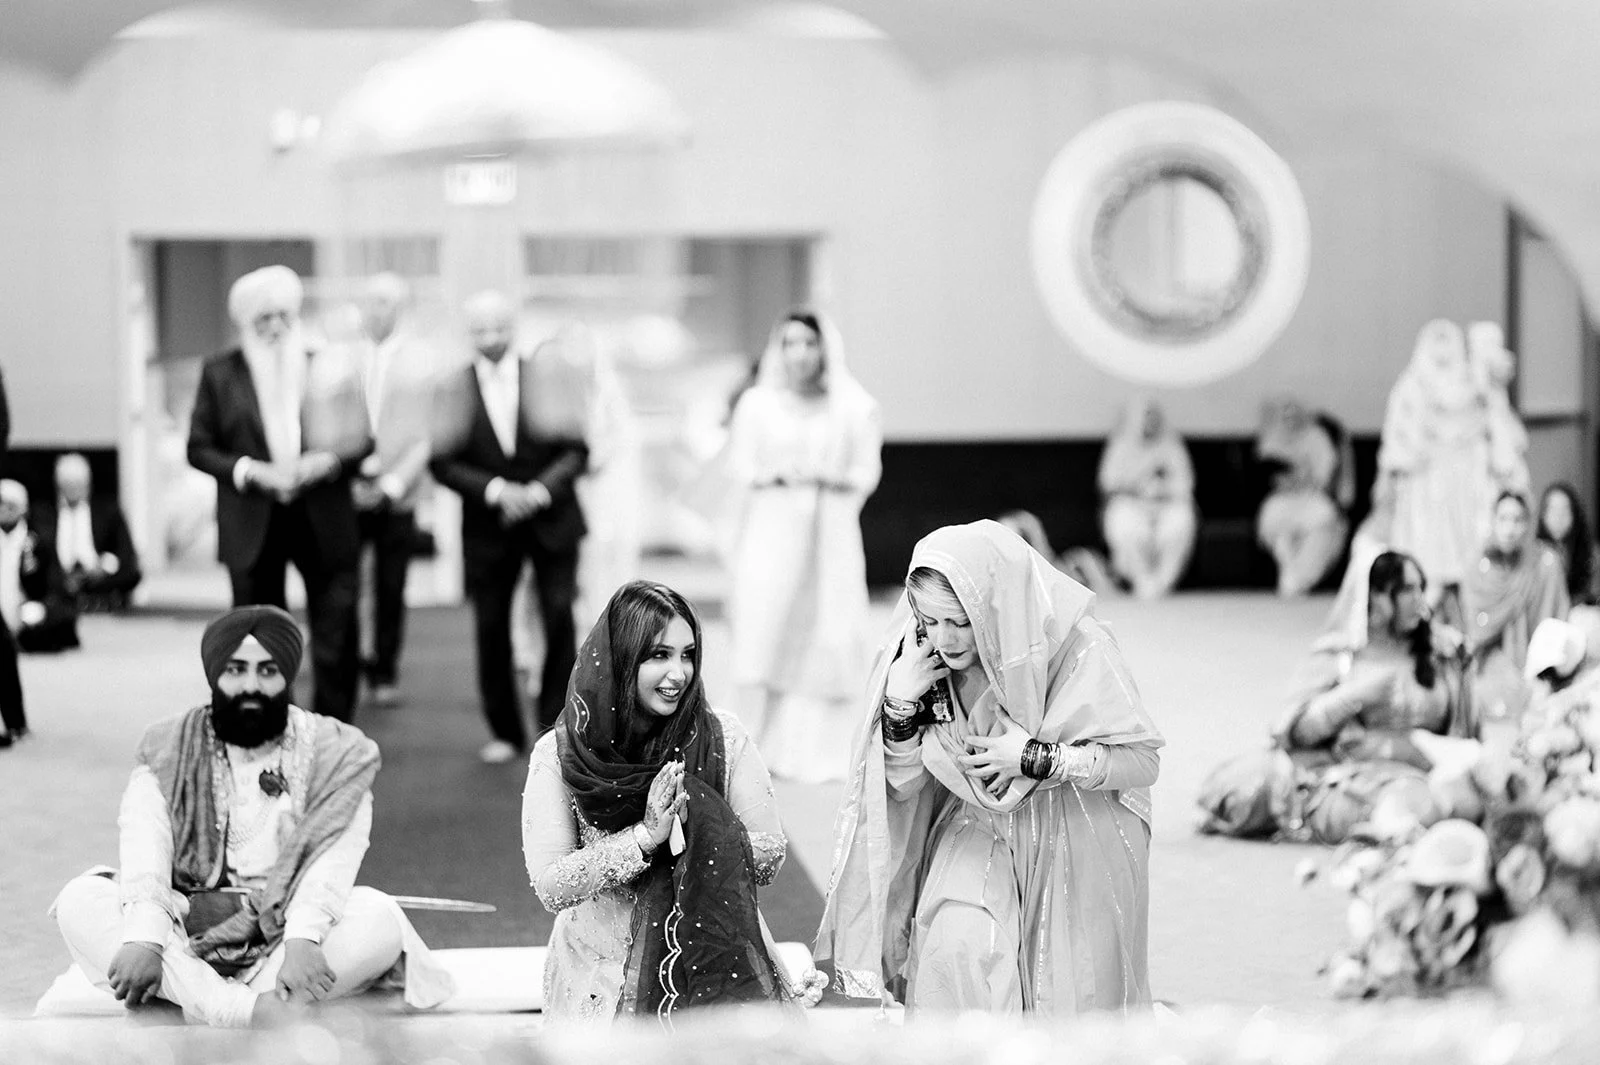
column 478, row 459
column 226, row 426
column 107, row 528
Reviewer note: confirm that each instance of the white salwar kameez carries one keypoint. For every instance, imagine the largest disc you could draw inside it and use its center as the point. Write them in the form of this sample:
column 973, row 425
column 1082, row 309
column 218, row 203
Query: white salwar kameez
column 798, row 602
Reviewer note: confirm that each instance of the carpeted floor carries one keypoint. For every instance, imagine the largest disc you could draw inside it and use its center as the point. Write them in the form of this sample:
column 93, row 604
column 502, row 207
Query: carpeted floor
column 446, row 824
column 1227, row 925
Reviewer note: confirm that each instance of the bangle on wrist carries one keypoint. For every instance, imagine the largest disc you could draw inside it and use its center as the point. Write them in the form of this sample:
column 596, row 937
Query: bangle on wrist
column 1038, row 759
column 900, row 709
column 898, row 729
column 641, row 837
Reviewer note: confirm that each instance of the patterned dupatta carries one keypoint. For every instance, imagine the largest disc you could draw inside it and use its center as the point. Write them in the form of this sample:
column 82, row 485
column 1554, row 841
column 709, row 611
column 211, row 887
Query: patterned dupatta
column 697, row 937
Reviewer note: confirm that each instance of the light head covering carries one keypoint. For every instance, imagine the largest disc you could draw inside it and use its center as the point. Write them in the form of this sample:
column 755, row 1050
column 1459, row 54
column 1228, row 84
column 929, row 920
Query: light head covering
column 271, row 288
column 1555, row 645
column 273, row 628
column 13, row 492
column 834, row 373
column 1051, row 667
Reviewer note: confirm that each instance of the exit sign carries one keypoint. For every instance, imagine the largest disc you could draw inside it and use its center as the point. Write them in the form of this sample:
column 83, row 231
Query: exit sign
column 483, row 182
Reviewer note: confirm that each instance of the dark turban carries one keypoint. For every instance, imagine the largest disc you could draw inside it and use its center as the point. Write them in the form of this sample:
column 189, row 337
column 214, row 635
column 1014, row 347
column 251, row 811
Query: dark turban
column 273, row 628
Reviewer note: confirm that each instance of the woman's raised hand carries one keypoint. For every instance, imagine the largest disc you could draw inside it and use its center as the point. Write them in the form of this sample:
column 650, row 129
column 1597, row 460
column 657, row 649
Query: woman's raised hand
column 667, row 799
column 916, row 668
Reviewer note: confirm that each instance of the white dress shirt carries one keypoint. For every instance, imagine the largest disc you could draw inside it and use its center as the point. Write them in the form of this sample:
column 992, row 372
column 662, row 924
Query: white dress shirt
column 500, row 385
column 11, row 545
column 75, row 536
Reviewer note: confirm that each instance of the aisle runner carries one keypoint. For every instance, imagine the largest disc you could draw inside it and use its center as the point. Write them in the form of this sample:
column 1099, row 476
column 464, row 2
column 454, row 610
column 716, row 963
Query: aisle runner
column 445, row 824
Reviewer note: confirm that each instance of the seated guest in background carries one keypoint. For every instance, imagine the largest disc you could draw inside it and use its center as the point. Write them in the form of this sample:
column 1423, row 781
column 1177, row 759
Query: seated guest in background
column 1389, row 671
column 395, row 374
column 248, row 792
column 1564, row 527
column 33, row 591
column 1084, row 565
column 90, row 538
column 282, row 428
column 1147, row 482
column 1382, row 670
column 1516, row 583
column 648, row 823
column 1303, row 521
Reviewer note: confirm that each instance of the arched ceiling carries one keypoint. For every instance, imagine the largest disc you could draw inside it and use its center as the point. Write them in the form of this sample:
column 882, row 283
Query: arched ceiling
column 1508, row 91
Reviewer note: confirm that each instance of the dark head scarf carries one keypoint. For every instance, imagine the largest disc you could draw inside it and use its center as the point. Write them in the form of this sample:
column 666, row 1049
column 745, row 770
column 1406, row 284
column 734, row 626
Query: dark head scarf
column 273, row 628
column 697, row 936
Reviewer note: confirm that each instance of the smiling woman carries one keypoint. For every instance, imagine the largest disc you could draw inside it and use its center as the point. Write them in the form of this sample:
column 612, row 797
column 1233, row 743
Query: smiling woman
column 646, row 810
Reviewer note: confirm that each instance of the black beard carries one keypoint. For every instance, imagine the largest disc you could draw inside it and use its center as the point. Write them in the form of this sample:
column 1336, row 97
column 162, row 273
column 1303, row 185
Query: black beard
column 249, row 720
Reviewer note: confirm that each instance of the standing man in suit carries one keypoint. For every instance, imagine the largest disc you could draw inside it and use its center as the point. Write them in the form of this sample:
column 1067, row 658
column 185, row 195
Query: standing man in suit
column 90, row 538
column 283, row 429
column 515, row 480
column 396, row 371
column 13, row 716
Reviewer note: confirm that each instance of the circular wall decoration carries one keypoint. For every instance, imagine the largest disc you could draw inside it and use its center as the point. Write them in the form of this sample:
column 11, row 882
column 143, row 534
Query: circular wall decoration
column 1170, row 244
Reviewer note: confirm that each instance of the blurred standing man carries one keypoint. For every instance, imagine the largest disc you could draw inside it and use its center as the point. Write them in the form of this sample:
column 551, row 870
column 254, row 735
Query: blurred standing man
column 394, row 376
column 90, row 538
column 283, row 433
column 515, row 480
column 13, row 718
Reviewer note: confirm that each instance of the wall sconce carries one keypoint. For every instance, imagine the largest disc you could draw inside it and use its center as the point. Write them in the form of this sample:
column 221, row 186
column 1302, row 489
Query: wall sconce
column 288, row 129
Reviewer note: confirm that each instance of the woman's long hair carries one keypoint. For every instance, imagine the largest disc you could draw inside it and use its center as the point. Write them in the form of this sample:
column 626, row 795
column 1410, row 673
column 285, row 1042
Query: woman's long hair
column 638, row 613
column 1387, row 576
column 1575, row 546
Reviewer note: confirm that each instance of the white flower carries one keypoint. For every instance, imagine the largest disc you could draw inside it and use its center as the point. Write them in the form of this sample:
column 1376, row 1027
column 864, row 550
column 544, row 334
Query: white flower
column 1572, row 832
column 1539, row 964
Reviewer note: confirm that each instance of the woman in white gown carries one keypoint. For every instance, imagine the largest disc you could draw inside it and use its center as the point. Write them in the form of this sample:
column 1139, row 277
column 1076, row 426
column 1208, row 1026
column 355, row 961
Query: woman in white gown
column 1434, row 474
column 805, row 443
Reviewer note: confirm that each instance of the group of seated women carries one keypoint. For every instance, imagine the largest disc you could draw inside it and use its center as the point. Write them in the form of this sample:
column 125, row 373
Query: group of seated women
column 1398, row 656
column 993, row 844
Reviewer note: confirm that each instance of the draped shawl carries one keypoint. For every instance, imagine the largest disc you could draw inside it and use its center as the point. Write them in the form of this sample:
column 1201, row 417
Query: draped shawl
column 1053, row 669
column 696, row 931
column 181, row 752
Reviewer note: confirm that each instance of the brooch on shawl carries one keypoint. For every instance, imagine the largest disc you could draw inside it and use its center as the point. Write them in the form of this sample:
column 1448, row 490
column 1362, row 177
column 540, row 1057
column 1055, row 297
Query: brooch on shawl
column 273, row 783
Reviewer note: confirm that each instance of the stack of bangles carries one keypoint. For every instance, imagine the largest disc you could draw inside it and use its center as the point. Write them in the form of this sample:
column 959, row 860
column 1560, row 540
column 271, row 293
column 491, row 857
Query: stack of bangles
column 899, row 719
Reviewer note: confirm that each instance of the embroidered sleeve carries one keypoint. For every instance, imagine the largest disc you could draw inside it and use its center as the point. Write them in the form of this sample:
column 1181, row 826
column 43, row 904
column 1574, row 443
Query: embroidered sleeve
column 562, row 872
column 609, row 862
column 750, row 793
column 150, row 907
column 769, row 850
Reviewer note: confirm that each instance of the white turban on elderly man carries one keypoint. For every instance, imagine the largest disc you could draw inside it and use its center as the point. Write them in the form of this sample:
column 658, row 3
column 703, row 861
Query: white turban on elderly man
column 324, row 390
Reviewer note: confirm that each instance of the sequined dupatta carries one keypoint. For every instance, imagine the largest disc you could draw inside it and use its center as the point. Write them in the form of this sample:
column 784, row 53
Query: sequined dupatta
column 697, row 938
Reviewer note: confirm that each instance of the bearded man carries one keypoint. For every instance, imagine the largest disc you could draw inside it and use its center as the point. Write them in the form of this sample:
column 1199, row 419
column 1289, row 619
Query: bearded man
column 283, row 430
column 253, row 794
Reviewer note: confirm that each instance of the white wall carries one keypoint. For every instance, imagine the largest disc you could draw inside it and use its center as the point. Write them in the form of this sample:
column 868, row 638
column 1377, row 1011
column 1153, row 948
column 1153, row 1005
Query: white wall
column 922, row 191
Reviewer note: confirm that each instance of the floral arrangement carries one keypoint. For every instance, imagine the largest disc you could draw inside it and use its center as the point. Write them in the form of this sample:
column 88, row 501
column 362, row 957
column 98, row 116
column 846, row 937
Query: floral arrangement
column 1509, row 851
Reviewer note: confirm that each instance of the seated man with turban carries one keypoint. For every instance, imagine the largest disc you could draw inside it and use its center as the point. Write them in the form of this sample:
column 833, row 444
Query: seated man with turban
column 242, row 831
